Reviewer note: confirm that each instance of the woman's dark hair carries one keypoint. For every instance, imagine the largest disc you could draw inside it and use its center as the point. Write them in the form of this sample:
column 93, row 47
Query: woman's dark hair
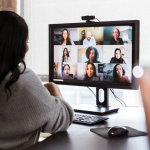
column 86, row 77
column 121, row 60
column 65, row 66
column 88, row 50
column 64, row 55
column 115, row 75
column 68, row 42
column 13, row 36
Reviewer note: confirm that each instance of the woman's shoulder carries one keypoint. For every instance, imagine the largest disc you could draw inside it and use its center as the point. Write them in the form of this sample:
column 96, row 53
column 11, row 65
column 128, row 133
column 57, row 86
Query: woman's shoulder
column 97, row 61
column 112, row 57
column 26, row 71
column 112, row 60
column 112, row 39
column 67, row 77
column 120, row 39
column 72, row 42
column 95, row 79
column 87, row 61
column 28, row 76
column 125, row 78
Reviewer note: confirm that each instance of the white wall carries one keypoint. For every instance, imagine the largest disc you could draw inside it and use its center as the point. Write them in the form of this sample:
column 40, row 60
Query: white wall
column 39, row 14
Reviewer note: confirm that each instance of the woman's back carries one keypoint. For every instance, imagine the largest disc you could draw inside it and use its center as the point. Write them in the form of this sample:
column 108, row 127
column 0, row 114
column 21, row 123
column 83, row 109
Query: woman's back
column 29, row 108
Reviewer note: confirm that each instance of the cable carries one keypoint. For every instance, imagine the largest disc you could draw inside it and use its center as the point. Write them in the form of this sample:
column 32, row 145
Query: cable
column 91, row 90
column 122, row 103
column 97, row 19
column 118, row 99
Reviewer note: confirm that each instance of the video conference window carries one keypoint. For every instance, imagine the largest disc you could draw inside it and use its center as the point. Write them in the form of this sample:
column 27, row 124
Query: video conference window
column 65, row 36
column 95, row 54
column 117, row 73
column 90, row 36
column 90, row 54
column 65, row 53
column 69, row 71
column 89, row 72
column 117, row 35
column 117, row 54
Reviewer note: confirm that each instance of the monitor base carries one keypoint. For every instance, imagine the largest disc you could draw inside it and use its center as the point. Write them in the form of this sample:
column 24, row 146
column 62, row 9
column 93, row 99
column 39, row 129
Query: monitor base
column 98, row 110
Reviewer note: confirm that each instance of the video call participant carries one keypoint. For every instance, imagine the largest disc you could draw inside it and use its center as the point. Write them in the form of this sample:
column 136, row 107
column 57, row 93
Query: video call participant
column 66, row 70
column 89, row 40
column 65, row 38
column 117, row 57
column 116, row 40
column 66, row 57
column 90, row 73
column 92, row 54
column 119, row 74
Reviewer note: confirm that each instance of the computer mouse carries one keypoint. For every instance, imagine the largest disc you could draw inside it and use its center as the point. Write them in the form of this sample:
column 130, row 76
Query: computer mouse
column 117, row 131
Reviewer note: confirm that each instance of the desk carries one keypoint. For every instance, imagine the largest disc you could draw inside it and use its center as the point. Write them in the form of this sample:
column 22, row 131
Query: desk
column 79, row 137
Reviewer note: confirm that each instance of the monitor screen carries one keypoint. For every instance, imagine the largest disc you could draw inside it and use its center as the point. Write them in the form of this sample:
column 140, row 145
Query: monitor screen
column 98, row 54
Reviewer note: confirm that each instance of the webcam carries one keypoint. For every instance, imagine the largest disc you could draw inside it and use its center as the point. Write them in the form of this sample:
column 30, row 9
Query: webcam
column 88, row 18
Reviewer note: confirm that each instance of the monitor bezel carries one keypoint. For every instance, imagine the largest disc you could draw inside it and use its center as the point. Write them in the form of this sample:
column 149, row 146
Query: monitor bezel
column 135, row 53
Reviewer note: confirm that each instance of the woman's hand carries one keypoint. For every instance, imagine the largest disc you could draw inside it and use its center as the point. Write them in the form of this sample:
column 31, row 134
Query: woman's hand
column 53, row 89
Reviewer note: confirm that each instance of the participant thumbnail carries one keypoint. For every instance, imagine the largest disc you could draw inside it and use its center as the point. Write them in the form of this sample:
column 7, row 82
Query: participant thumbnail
column 65, row 53
column 57, row 70
column 90, row 54
column 69, row 71
column 90, row 35
column 89, row 72
column 119, row 73
column 65, row 36
column 117, row 54
column 117, row 35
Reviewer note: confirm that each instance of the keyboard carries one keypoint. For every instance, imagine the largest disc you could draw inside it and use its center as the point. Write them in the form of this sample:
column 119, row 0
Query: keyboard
column 87, row 118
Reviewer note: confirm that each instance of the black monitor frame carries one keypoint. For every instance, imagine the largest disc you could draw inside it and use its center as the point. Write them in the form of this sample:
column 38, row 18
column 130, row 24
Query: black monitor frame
column 135, row 52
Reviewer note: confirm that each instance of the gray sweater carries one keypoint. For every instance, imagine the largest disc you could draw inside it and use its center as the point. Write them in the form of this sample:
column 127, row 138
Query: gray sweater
column 28, row 109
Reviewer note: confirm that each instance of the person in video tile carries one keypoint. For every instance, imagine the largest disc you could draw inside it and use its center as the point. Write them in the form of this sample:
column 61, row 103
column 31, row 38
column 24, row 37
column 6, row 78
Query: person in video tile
column 90, row 73
column 117, row 57
column 119, row 74
column 92, row 54
column 116, row 40
column 66, row 70
column 66, row 57
column 65, row 38
column 89, row 40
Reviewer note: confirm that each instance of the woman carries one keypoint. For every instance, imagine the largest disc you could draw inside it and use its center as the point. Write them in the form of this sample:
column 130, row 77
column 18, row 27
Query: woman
column 26, row 105
column 117, row 57
column 116, row 40
column 145, row 88
column 90, row 73
column 66, row 70
column 92, row 55
column 65, row 38
column 66, row 57
column 119, row 74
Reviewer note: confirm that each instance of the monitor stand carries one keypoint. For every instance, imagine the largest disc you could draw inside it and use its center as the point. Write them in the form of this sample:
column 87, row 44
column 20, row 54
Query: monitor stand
column 102, row 104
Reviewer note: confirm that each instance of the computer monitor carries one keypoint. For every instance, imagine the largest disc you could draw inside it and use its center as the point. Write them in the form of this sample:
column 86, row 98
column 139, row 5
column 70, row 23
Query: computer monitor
column 95, row 54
